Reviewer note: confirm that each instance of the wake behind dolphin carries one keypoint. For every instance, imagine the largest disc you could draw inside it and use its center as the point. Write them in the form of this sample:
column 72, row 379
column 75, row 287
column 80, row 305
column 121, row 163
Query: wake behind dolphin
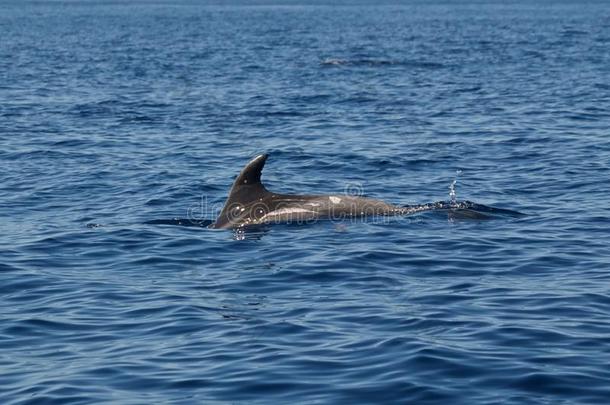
column 249, row 203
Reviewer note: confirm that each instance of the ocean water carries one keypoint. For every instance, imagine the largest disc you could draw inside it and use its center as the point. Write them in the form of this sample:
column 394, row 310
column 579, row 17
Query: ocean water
column 116, row 118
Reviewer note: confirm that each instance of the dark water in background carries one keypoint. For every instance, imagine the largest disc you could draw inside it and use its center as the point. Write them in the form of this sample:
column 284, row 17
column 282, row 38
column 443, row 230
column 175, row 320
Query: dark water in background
column 117, row 115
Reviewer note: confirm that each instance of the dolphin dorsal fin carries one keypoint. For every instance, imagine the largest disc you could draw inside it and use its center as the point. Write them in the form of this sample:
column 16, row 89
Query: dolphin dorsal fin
column 250, row 175
column 246, row 188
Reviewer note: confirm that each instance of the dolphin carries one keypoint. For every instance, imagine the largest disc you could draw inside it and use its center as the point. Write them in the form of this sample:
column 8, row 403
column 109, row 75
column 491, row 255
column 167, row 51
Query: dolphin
column 250, row 203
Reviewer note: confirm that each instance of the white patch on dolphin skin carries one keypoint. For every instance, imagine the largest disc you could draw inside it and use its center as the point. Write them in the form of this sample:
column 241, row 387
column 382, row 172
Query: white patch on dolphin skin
column 334, row 200
column 286, row 211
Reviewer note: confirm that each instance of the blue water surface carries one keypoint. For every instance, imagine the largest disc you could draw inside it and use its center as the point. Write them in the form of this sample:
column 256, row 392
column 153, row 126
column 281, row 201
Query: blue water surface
column 117, row 117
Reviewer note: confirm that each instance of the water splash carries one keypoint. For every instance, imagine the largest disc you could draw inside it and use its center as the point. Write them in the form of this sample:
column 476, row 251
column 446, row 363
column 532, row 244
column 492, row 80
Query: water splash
column 452, row 192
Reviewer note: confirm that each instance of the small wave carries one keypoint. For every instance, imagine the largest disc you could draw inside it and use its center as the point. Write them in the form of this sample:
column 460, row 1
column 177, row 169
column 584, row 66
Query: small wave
column 380, row 62
column 465, row 210
column 334, row 62
column 200, row 223
column 572, row 32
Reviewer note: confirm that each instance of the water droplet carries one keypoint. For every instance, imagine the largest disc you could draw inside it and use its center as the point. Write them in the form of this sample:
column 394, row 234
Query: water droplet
column 452, row 192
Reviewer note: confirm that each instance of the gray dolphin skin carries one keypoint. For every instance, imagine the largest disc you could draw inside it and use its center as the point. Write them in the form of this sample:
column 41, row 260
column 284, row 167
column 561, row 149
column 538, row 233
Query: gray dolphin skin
column 250, row 203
